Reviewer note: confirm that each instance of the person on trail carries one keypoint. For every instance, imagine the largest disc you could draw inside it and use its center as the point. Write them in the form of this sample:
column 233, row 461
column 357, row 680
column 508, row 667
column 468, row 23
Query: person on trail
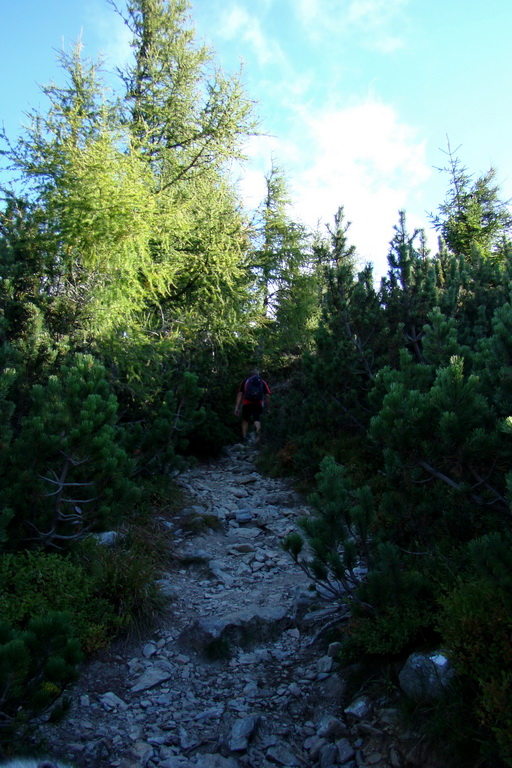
column 253, row 394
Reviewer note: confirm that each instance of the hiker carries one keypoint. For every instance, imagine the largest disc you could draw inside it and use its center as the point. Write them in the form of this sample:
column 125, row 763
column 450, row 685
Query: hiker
column 253, row 394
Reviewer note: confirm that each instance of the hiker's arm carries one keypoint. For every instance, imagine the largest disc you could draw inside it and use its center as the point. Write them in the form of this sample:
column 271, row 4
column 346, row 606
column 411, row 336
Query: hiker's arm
column 238, row 401
column 267, row 401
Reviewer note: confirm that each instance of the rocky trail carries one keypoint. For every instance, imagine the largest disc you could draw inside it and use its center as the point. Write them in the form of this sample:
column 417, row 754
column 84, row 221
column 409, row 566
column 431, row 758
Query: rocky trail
column 231, row 678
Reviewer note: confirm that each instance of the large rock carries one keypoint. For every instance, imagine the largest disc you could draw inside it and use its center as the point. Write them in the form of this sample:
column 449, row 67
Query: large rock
column 240, row 628
column 107, row 538
column 425, row 676
column 282, row 755
column 359, row 709
column 241, row 733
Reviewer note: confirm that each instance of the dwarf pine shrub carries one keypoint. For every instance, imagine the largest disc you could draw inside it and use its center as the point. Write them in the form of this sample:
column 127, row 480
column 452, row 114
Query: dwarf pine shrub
column 36, row 666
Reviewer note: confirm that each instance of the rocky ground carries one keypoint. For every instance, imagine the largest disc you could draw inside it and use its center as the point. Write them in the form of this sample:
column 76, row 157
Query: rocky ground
column 232, row 677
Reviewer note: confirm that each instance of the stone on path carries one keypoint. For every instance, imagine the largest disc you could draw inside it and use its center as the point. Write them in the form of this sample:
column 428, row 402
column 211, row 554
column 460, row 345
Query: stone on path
column 151, row 678
column 239, row 628
column 241, row 732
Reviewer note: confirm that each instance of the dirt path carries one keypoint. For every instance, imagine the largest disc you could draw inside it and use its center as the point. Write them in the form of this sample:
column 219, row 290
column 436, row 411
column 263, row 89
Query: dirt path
column 231, row 678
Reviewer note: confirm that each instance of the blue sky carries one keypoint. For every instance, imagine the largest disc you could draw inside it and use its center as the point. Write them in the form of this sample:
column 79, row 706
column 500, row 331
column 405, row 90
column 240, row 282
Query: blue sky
column 356, row 98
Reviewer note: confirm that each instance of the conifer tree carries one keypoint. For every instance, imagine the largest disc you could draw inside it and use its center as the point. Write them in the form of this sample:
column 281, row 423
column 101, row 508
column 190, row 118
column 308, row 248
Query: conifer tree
column 132, row 245
column 409, row 289
column 186, row 120
column 349, row 338
column 278, row 254
column 185, row 116
column 285, row 279
column 36, row 665
column 473, row 214
column 492, row 358
column 139, row 220
column 336, row 533
column 66, row 473
column 441, row 448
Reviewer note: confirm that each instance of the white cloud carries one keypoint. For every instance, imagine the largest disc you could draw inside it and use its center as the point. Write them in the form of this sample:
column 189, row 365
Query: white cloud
column 375, row 11
column 365, row 159
column 361, row 157
column 112, row 33
column 376, row 19
column 373, row 21
column 238, row 23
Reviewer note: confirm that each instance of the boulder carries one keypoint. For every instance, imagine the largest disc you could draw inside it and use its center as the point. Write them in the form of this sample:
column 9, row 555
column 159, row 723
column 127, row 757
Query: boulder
column 425, row 676
column 238, row 628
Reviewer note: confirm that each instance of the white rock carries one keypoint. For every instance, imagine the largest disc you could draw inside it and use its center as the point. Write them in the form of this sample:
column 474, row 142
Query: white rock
column 149, row 679
column 110, row 701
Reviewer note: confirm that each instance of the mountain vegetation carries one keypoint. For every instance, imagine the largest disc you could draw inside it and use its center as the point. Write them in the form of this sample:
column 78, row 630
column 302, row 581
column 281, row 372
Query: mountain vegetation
column 135, row 294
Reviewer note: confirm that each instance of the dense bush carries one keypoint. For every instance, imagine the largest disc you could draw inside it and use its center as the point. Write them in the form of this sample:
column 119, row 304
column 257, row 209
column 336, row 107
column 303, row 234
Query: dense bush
column 476, row 624
column 103, row 589
column 65, row 472
column 123, row 575
column 34, row 583
column 36, row 665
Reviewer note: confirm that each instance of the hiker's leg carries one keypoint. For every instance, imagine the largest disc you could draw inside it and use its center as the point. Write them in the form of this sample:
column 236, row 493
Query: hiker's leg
column 257, row 420
column 246, row 415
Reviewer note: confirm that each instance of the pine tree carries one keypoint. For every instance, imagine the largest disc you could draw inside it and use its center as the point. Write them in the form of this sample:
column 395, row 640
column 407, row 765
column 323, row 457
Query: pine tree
column 66, row 473
column 285, row 279
column 185, row 116
column 492, row 361
column 440, row 445
column 409, row 289
column 36, row 665
column 336, row 533
column 473, row 216
column 186, row 121
column 350, row 339
column 136, row 212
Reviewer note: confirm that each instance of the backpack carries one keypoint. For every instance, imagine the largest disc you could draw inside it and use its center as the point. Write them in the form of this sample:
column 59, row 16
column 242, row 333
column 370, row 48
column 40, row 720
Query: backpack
column 253, row 390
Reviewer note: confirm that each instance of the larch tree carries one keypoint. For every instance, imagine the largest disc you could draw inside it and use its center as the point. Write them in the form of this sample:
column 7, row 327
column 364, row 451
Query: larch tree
column 187, row 122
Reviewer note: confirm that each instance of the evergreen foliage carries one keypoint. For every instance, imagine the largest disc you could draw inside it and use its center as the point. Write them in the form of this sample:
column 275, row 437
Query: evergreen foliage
column 334, row 533
column 36, row 583
column 66, row 472
column 473, row 218
column 134, row 296
column 36, row 665
column 285, row 277
column 476, row 625
column 407, row 387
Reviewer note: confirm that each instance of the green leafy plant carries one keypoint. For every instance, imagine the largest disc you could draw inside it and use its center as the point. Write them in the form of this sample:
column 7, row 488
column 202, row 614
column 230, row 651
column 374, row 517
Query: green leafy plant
column 35, row 583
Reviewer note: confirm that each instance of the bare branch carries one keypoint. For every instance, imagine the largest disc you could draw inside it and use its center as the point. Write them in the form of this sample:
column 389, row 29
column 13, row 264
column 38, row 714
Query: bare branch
column 457, row 486
column 439, row 475
column 331, row 623
column 82, row 501
column 60, row 483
